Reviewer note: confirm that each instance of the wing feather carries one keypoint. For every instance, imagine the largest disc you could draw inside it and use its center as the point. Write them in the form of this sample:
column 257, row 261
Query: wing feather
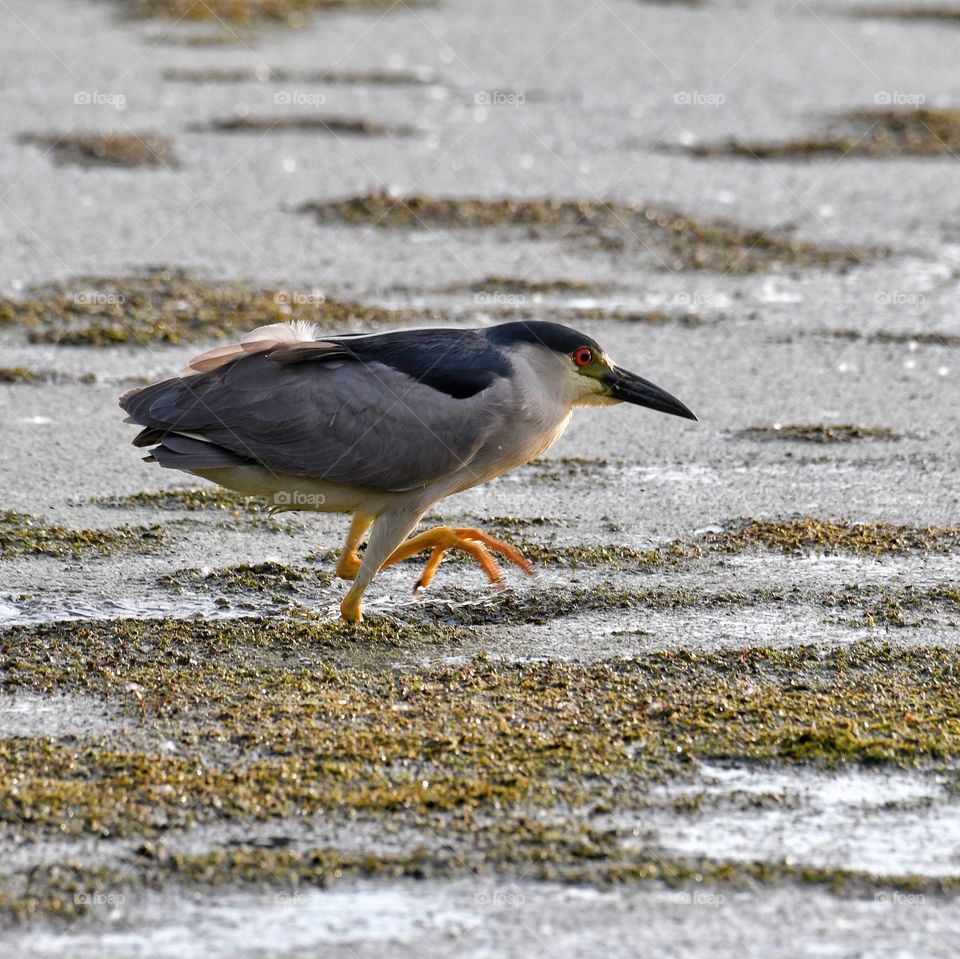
column 348, row 421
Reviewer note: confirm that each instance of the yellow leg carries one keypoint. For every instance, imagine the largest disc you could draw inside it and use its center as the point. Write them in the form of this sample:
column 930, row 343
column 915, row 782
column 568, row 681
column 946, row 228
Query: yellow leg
column 349, row 562
column 387, row 532
column 474, row 542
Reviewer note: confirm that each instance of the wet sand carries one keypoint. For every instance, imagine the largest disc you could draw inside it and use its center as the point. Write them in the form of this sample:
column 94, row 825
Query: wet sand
column 171, row 790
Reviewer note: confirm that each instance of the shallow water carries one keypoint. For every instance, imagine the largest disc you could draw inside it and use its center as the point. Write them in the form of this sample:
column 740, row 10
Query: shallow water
column 877, row 821
column 479, row 919
column 29, row 714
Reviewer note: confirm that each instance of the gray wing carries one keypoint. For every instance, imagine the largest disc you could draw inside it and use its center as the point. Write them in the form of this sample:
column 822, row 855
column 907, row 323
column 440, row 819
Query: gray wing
column 360, row 423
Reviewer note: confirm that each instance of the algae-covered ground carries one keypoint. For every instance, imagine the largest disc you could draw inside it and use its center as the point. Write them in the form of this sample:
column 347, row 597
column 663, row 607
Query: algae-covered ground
column 723, row 718
column 107, row 148
column 308, row 124
column 291, row 12
column 917, row 131
column 681, row 241
column 169, row 306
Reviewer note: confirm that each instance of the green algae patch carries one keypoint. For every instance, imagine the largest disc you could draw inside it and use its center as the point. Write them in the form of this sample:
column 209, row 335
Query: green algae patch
column 342, row 126
column 681, row 242
column 921, row 338
column 388, row 78
column 793, row 535
column 293, row 13
column 22, row 534
column 509, row 522
column 263, row 728
column 548, row 604
column 106, row 149
column 570, row 855
column 190, row 500
column 862, row 133
column 619, row 315
column 523, row 286
column 508, row 307
column 65, row 892
column 170, row 306
column 95, row 656
column 609, row 556
column 248, row 720
column 58, row 892
column 858, row 607
column 19, row 374
column 819, row 433
column 269, row 577
column 893, row 607
column 929, row 13
column 808, row 533
column 568, row 467
column 22, row 374
column 314, row 867
column 226, row 37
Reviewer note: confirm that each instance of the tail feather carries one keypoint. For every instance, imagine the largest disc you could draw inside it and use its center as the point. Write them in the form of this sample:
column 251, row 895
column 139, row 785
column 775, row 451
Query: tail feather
column 148, row 437
column 184, row 453
column 175, row 414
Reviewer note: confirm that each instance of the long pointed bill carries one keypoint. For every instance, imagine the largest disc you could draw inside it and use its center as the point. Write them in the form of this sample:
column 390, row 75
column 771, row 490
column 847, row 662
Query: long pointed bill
column 631, row 388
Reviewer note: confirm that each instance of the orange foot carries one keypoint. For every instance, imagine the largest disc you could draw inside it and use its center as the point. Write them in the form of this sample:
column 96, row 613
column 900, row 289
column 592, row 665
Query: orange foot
column 472, row 541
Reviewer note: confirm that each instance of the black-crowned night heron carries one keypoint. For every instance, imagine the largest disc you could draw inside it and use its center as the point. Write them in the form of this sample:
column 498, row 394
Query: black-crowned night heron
column 381, row 425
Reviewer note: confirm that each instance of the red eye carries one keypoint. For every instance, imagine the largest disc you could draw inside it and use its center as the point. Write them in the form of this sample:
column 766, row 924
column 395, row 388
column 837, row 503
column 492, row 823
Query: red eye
column 583, row 356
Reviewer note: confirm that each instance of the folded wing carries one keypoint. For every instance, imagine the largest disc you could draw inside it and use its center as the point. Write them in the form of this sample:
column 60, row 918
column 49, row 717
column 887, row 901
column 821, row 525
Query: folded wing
column 314, row 409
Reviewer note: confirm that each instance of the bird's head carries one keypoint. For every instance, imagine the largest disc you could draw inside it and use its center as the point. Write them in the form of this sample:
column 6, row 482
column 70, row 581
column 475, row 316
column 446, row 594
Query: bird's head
column 575, row 367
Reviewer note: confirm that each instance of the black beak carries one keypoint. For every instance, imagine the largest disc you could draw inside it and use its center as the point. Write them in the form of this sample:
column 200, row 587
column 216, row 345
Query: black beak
column 635, row 389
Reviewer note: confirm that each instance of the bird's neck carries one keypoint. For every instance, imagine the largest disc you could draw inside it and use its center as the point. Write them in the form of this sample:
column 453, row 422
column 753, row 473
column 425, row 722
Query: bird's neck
column 545, row 400
column 548, row 387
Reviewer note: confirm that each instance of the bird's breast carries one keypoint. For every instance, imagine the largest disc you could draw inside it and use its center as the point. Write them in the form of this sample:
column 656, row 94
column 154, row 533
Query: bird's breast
column 520, row 440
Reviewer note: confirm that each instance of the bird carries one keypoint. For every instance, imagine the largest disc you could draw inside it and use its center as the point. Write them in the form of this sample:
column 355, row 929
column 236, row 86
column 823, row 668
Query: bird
column 381, row 425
